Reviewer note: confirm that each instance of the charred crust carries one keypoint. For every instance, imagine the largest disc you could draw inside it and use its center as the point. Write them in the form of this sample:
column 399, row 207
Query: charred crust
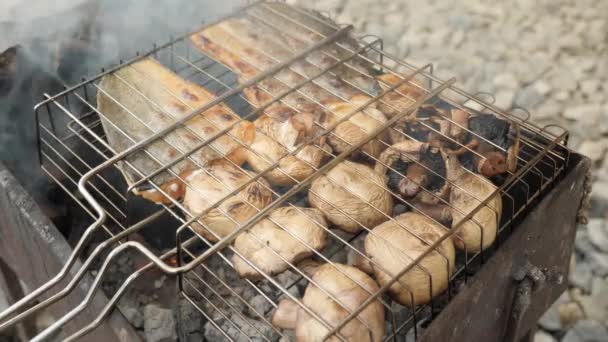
column 189, row 96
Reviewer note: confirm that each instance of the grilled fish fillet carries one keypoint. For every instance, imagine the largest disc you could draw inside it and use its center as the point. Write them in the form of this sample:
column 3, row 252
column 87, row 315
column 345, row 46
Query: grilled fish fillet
column 255, row 42
column 145, row 97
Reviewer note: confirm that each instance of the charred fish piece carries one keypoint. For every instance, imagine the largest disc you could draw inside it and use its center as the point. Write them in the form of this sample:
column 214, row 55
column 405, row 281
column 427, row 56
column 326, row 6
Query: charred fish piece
column 143, row 98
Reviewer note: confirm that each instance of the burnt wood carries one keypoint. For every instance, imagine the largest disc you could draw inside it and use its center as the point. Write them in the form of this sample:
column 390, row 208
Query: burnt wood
column 545, row 238
column 35, row 251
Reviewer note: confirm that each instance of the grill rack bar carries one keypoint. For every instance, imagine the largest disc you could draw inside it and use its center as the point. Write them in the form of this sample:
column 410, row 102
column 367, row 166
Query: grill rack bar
column 184, row 225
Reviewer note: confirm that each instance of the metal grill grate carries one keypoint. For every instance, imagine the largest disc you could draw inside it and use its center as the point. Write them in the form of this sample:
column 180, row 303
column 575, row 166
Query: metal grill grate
column 76, row 153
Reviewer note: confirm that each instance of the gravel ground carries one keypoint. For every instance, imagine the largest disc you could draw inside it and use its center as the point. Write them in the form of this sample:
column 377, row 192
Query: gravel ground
column 549, row 56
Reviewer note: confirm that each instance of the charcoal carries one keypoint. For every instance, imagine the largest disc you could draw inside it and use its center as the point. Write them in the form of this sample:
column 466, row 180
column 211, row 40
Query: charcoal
column 491, row 128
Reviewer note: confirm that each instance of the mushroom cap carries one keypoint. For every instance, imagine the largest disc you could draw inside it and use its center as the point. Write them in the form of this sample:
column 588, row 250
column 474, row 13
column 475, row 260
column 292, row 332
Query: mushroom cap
column 479, row 232
column 356, row 129
column 394, row 245
column 209, row 186
column 354, row 189
column 351, row 287
column 264, row 152
column 259, row 243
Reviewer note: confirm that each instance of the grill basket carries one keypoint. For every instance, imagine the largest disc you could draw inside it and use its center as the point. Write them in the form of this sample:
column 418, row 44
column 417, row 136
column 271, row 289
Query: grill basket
column 75, row 153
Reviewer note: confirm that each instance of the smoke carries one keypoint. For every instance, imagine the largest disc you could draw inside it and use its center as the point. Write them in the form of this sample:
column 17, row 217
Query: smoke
column 116, row 28
column 63, row 40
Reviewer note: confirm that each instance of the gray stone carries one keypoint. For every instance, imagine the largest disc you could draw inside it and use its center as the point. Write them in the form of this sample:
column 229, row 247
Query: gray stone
column 550, row 320
column 504, row 99
column 581, row 276
column 506, row 81
column 589, row 113
column 190, row 322
column 542, row 336
column 129, row 306
column 562, row 95
column 260, row 305
column 212, row 333
column 587, row 331
column 542, row 87
column 158, row 283
column 595, row 305
column 598, row 262
column 599, row 198
column 590, row 86
column 594, row 149
column 159, row 324
column 598, row 234
column 528, row 97
column 582, row 244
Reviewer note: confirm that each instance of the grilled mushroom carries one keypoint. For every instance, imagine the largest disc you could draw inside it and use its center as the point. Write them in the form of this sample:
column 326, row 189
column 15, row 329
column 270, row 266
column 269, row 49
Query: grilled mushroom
column 394, row 245
column 290, row 231
column 351, row 191
column 492, row 137
column 209, row 186
column 357, row 128
column 467, row 191
column 351, row 288
column 408, row 151
column 279, row 132
column 401, row 99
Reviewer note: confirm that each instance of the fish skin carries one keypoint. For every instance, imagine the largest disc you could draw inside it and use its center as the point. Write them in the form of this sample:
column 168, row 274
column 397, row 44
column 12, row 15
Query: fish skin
column 243, row 44
column 251, row 43
column 174, row 98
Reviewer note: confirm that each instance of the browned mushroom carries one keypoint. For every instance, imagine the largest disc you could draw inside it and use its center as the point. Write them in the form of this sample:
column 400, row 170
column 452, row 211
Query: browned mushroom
column 393, row 245
column 357, row 128
column 460, row 123
column 401, row 99
column 350, row 287
column 288, row 235
column 279, row 132
column 207, row 187
column 408, row 151
column 265, row 151
column 468, row 190
column 351, row 195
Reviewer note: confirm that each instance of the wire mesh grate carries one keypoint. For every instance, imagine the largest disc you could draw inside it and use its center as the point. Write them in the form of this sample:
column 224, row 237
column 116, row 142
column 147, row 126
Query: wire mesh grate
column 267, row 88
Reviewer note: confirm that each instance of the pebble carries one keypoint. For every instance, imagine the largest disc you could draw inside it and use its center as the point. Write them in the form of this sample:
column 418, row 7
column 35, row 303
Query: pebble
column 595, row 305
column 542, row 336
column 581, row 276
column 260, row 304
column 582, row 243
column 589, row 113
column 529, row 97
column 594, row 149
column 598, row 234
column 506, row 81
column 190, row 322
column 504, row 99
column 599, row 197
column 570, row 313
column 586, row 331
column 590, row 86
column 159, row 324
column 551, row 320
